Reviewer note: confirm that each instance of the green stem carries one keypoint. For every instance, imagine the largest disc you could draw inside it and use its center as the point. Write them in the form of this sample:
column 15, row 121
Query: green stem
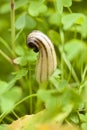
column 83, row 73
column 75, row 32
column 3, row 115
column 24, row 99
column 13, row 24
column 69, row 9
column 39, row 105
column 62, row 61
column 70, row 67
column 6, row 45
column 6, row 57
column 15, row 115
column 30, row 89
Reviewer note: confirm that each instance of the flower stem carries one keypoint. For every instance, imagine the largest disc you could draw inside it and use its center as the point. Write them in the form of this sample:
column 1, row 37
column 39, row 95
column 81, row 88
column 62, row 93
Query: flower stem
column 13, row 24
column 62, row 60
column 5, row 56
column 6, row 45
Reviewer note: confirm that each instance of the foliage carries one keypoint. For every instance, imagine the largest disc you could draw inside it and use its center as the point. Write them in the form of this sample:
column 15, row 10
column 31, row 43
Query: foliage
column 64, row 95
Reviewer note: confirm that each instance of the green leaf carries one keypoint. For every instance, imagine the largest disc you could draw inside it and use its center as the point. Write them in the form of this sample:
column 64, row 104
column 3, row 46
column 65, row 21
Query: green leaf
column 3, row 127
column 20, row 22
column 6, row 105
column 37, row 8
column 73, row 48
column 67, row 3
column 74, row 118
column 9, row 99
column 3, row 87
column 19, row 50
column 56, row 74
column 55, row 18
column 84, row 89
column 20, row 61
column 83, row 55
column 60, row 85
column 71, row 19
column 59, row 105
column 54, row 36
column 63, row 3
column 25, row 21
column 84, row 126
column 83, row 28
column 18, row 34
column 10, row 95
column 53, row 98
column 21, row 73
column 25, row 56
column 5, row 8
column 20, row 3
column 30, row 22
column 83, row 118
column 31, row 56
column 59, row 5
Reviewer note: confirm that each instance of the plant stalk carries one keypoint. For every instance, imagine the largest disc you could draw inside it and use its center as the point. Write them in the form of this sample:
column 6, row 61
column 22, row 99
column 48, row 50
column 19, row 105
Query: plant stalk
column 30, row 90
column 62, row 60
column 13, row 24
column 5, row 56
column 6, row 45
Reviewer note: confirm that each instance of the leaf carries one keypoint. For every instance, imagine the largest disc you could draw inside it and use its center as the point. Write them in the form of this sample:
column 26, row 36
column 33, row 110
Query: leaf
column 53, row 98
column 83, row 118
column 55, row 18
column 84, row 92
column 19, row 50
column 83, row 56
column 71, row 19
column 73, row 48
column 31, row 56
column 55, row 109
column 10, row 95
column 9, row 99
column 20, row 73
column 3, row 87
column 7, row 95
column 6, row 105
column 18, row 34
column 3, row 127
column 67, row 3
column 84, row 126
column 36, row 8
column 25, row 21
column 59, row 5
column 60, row 85
column 74, row 118
column 83, row 28
column 54, row 36
column 20, row 22
column 56, row 74
column 20, row 61
column 63, row 3
column 5, row 8
column 30, row 22
column 20, row 3
column 26, row 56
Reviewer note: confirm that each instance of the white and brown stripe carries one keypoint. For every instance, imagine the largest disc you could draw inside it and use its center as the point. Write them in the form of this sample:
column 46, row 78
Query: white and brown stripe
column 46, row 63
